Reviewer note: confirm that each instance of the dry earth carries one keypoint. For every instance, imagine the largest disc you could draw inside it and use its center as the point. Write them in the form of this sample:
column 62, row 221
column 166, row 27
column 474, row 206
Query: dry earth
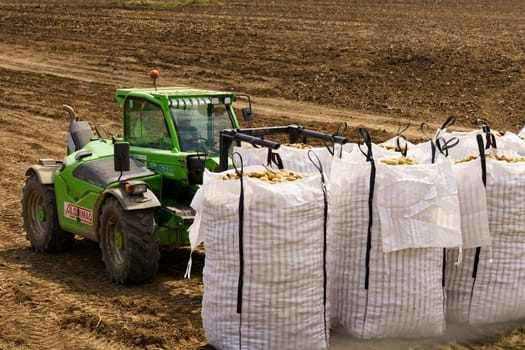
column 315, row 63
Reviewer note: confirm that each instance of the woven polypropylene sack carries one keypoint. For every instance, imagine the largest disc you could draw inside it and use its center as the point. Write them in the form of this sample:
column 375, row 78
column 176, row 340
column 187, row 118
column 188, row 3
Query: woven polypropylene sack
column 497, row 293
column 283, row 303
column 405, row 297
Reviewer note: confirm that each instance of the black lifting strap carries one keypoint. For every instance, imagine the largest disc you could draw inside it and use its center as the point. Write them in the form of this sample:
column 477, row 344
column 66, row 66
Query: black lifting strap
column 369, row 157
column 400, row 130
column 450, row 121
column 317, row 163
column 403, row 150
column 274, row 158
column 444, row 145
column 433, row 147
column 241, row 234
column 483, row 160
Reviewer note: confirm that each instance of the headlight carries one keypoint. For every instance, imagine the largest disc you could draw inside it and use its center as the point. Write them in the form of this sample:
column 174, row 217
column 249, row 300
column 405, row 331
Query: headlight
column 135, row 187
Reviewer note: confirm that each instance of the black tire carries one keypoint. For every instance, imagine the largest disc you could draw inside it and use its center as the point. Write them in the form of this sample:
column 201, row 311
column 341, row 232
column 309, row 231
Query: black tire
column 39, row 212
column 129, row 243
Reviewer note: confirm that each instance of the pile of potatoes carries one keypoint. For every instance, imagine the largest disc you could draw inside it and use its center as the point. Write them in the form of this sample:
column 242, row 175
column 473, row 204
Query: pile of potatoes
column 267, row 175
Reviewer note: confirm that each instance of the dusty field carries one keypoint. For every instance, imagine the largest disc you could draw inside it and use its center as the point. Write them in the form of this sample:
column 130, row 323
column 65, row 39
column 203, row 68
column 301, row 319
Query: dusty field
column 314, row 63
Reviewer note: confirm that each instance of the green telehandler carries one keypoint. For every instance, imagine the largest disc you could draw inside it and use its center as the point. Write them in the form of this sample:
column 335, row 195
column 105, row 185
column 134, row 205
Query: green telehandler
column 130, row 205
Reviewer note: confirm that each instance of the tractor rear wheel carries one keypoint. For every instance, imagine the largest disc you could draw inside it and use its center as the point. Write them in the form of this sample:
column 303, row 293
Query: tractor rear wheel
column 39, row 212
column 129, row 243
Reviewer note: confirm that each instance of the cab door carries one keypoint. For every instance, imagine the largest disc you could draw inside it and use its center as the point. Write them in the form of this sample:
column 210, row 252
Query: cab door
column 150, row 138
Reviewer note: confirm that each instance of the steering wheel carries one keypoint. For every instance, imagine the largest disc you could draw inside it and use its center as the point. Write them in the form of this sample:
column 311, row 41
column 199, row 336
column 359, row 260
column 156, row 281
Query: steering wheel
column 203, row 143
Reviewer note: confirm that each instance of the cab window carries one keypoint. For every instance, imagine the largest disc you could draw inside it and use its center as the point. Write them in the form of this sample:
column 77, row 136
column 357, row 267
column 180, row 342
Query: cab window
column 198, row 125
column 145, row 125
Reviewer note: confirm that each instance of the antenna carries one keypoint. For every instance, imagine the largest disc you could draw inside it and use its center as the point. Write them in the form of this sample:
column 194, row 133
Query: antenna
column 154, row 74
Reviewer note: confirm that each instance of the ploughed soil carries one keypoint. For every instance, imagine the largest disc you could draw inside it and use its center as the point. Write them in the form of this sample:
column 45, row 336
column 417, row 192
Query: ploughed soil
column 373, row 64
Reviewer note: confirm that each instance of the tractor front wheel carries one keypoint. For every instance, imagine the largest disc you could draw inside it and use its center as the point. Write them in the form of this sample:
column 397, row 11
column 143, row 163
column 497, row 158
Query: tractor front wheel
column 129, row 243
column 39, row 212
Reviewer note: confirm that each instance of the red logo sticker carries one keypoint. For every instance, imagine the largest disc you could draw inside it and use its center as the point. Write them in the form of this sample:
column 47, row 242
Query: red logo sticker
column 75, row 212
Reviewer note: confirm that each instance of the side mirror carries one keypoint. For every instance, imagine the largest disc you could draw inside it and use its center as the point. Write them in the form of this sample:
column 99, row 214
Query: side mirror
column 121, row 156
column 247, row 114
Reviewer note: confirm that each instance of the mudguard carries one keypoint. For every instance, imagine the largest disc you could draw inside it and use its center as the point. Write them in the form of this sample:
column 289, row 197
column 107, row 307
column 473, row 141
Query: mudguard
column 131, row 202
column 45, row 171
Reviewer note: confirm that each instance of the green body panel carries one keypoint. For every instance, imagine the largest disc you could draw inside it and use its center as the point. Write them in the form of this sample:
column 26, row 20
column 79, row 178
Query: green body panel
column 164, row 162
column 74, row 194
column 68, row 203
column 78, row 201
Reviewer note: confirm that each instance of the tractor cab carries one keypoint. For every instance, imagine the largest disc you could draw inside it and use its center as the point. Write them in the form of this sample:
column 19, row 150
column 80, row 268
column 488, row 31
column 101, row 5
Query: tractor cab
column 176, row 131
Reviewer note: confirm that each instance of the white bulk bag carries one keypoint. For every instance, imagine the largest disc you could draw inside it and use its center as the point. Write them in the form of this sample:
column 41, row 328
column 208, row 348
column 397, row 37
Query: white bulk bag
column 283, row 295
column 497, row 294
column 405, row 297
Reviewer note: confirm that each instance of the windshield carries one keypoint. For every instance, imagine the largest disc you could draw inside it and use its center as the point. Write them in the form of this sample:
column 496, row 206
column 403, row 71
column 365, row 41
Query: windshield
column 198, row 125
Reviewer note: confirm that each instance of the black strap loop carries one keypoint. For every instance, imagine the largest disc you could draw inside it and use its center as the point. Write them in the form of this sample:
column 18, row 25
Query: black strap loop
column 342, row 129
column 489, row 136
column 274, row 158
column 491, row 141
column 403, row 127
column 400, row 130
column 444, row 145
column 370, row 219
column 319, row 166
column 330, row 147
column 483, row 160
column 369, row 157
column 317, row 163
column 402, row 149
column 450, row 121
column 433, row 147
column 241, row 234
column 422, row 128
column 368, row 142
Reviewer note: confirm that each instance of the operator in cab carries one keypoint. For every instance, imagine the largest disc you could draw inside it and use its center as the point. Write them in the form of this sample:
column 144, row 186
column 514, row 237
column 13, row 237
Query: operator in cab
column 189, row 136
